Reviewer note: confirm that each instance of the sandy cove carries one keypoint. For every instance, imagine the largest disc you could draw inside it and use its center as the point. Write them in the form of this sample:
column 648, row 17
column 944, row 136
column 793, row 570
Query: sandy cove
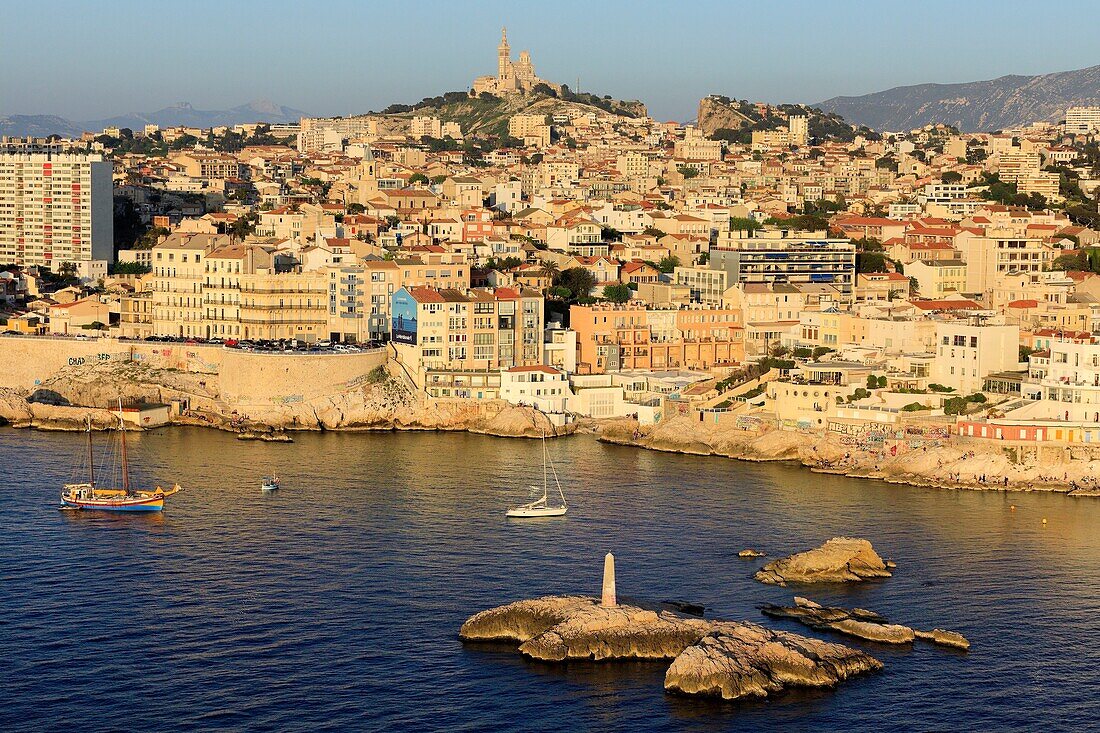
column 956, row 463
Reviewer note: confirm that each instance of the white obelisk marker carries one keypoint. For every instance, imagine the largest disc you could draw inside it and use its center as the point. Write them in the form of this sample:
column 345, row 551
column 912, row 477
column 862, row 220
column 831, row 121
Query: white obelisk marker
column 608, row 600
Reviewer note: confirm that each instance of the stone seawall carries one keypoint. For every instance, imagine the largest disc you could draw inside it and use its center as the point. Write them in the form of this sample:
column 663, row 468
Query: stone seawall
column 53, row 383
column 239, row 377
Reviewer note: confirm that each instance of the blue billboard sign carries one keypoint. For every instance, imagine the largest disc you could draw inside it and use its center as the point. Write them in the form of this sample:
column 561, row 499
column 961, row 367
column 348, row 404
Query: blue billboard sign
column 403, row 314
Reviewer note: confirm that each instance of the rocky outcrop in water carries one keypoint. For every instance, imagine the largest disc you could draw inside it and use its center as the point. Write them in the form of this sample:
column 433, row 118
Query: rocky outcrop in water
column 726, row 659
column 745, row 660
column 751, row 553
column 841, row 559
column 556, row 628
column 859, row 623
column 856, row 622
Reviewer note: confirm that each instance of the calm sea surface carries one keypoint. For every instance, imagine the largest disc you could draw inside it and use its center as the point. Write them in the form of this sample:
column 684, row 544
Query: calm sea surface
column 335, row 603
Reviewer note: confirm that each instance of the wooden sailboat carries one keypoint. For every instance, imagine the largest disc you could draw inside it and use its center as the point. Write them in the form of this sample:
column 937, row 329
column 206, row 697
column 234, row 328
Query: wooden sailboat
column 88, row 495
column 541, row 507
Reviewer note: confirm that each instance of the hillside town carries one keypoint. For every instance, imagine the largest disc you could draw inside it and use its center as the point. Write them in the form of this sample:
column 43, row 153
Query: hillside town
column 595, row 263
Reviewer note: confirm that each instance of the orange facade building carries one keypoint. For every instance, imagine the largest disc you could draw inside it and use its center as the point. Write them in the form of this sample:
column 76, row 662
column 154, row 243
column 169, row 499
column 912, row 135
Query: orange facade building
column 636, row 336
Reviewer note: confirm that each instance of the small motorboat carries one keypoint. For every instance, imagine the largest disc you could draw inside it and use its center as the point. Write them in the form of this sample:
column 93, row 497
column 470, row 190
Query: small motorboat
column 269, row 483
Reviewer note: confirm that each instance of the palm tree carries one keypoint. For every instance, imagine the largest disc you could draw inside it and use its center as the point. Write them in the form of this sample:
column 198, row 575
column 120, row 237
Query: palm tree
column 551, row 270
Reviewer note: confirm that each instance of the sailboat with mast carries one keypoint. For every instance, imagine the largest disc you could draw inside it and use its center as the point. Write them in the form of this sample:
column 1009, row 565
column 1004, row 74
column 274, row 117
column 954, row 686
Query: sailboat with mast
column 89, row 495
column 541, row 507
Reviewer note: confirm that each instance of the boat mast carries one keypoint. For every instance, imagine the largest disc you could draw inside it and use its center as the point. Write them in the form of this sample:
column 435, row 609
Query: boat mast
column 91, row 454
column 125, row 464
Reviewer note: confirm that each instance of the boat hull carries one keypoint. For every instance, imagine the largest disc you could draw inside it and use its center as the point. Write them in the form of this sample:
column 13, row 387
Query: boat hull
column 153, row 504
column 532, row 513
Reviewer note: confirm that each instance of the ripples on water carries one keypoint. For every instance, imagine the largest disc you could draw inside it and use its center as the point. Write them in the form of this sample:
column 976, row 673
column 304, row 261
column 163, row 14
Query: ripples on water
column 334, row 604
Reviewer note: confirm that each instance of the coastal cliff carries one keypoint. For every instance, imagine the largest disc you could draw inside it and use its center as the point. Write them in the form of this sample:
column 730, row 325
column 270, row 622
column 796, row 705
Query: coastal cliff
column 375, row 401
column 959, row 463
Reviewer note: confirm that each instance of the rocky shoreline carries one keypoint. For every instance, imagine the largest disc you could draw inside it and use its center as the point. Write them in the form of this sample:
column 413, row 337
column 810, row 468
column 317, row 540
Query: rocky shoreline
column 958, row 463
column 382, row 402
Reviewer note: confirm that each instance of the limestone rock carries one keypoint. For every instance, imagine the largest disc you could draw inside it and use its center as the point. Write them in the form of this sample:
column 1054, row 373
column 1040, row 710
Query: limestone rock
column 945, row 638
column 522, row 620
column 556, row 628
column 751, row 553
column 841, row 559
column 859, row 623
column 744, row 660
column 727, row 659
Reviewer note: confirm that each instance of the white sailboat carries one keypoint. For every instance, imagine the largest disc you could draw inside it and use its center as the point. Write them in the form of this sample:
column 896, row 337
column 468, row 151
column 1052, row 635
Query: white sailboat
column 541, row 507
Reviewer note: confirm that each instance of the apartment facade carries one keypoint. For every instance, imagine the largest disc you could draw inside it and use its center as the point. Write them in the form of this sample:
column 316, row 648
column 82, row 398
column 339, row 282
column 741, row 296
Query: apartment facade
column 636, row 336
column 55, row 208
column 779, row 257
column 968, row 351
column 179, row 271
column 465, row 330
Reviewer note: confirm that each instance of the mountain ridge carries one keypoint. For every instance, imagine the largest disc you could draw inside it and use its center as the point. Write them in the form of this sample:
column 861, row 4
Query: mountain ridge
column 978, row 106
column 180, row 113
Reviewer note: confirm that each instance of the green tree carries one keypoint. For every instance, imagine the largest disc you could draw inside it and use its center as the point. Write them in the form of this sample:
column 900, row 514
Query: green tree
column 418, row 178
column 1071, row 261
column 668, row 263
column 618, row 293
column 578, row 280
column 951, row 177
column 744, row 224
column 871, row 262
column 687, row 172
column 551, row 270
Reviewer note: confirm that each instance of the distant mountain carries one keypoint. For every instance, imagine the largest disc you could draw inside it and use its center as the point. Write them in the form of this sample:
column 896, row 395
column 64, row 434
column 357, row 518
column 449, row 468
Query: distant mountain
column 38, row 126
column 178, row 114
column 978, row 106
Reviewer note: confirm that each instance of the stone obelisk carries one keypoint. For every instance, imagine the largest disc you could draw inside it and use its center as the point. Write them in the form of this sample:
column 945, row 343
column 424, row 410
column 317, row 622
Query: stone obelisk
column 608, row 600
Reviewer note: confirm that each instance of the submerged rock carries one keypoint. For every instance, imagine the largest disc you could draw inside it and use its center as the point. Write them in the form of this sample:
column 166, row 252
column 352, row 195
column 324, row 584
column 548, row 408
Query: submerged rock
column 855, row 622
column 841, row 559
column 751, row 553
column 691, row 609
column 745, row 660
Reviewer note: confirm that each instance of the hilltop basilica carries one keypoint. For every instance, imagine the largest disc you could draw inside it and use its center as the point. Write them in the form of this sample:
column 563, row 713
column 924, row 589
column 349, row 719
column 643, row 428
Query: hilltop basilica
column 512, row 77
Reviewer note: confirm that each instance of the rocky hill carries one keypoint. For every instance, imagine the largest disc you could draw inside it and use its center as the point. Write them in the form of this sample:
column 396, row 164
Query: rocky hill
column 735, row 120
column 488, row 114
column 978, row 106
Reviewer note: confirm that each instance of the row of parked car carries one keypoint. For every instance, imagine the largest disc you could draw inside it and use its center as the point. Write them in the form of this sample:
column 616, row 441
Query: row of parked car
column 277, row 345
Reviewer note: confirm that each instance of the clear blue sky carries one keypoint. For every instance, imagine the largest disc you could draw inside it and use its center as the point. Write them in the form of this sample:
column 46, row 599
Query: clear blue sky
column 90, row 60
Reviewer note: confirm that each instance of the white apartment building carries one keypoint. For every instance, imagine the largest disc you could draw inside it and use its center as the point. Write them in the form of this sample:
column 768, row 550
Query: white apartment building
column 798, row 128
column 532, row 129
column 991, row 257
column 55, row 208
column 968, row 351
column 426, row 126
column 1066, row 381
column 695, row 146
column 1082, row 120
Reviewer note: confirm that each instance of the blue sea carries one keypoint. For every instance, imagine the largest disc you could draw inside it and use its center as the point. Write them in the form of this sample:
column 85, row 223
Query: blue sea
column 334, row 603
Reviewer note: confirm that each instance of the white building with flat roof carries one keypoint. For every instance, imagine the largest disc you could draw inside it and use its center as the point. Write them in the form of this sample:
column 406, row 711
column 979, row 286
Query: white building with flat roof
column 55, row 208
column 967, row 351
